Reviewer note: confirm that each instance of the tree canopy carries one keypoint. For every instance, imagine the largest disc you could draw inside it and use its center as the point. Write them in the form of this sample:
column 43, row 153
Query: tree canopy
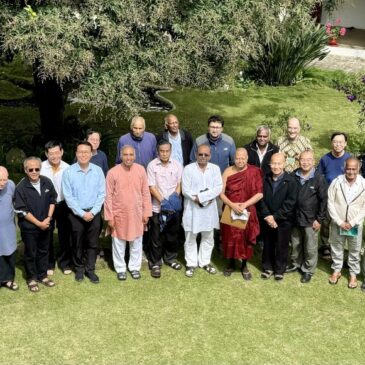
column 103, row 54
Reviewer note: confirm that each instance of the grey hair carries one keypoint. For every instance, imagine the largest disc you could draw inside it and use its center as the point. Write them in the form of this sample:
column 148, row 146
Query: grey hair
column 32, row 158
column 127, row 146
column 136, row 119
column 263, row 128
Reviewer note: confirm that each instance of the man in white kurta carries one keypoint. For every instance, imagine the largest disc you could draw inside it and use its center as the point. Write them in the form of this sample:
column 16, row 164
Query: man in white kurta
column 201, row 185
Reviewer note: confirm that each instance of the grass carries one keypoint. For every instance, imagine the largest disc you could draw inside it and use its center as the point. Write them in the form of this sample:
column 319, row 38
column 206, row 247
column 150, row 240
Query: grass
column 176, row 320
column 206, row 319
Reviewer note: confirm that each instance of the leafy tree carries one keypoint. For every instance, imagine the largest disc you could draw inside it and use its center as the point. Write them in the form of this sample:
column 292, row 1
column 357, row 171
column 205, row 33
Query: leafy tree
column 103, row 54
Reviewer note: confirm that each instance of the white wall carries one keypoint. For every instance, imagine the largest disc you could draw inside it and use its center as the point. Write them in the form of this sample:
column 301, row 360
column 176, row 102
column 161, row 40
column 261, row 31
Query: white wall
column 352, row 13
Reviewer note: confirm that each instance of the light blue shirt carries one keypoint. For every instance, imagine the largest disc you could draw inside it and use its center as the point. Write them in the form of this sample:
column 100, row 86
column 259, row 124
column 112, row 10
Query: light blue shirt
column 84, row 189
column 177, row 152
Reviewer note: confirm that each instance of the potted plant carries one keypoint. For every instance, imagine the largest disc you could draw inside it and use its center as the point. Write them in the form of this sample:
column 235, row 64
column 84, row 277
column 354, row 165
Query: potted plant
column 334, row 31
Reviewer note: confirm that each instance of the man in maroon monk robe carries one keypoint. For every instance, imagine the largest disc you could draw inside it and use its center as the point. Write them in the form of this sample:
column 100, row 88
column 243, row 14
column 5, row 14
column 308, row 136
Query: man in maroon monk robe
column 242, row 189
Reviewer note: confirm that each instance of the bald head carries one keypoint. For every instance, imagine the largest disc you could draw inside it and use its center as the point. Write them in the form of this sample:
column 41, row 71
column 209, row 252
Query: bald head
column 3, row 177
column 241, row 158
column 277, row 164
column 172, row 124
column 293, row 131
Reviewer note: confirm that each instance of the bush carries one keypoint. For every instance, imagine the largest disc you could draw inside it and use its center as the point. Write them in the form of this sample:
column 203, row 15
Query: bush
column 278, row 123
column 284, row 54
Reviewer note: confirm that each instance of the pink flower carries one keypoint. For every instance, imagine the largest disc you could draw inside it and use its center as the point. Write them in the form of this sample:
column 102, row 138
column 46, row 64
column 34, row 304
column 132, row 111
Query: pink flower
column 338, row 21
column 328, row 25
column 328, row 30
column 342, row 31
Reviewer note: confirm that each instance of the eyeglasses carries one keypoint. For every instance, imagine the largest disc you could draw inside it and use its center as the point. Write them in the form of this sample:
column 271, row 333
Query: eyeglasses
column 34, row 170
column 203, row 155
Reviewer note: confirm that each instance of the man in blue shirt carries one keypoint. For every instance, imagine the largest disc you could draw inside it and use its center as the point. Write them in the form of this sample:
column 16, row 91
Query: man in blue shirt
column 331, row 165
column 222, row 146
column 83, row 186
column 144, row 143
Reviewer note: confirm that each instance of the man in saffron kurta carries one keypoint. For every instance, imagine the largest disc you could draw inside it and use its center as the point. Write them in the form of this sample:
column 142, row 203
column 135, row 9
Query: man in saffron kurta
column 242, row 189
column 127, row 208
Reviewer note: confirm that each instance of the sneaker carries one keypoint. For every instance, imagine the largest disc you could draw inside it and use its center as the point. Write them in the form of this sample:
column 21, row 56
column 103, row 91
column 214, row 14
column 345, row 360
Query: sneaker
column 92, row 277
column 189, row 272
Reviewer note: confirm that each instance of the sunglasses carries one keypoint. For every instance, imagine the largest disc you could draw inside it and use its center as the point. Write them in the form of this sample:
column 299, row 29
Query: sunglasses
column 34, row 170
column 203, row 155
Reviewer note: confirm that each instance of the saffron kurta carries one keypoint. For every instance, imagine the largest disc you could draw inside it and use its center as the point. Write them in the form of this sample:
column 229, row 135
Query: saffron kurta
column 127, row 201
column 237, row 243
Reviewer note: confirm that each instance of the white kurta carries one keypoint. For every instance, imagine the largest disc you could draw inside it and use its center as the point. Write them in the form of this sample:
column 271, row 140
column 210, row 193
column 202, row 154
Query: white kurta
column 195, row 218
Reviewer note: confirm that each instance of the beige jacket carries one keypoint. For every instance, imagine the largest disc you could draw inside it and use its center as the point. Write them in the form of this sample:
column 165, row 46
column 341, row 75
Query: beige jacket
column 342, row 211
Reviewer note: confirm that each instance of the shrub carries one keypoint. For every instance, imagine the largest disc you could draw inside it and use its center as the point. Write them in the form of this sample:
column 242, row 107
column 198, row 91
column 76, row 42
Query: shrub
column 284, row 53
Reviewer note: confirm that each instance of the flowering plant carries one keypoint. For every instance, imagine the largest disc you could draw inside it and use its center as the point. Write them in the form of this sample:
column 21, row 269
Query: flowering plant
column 335, row 31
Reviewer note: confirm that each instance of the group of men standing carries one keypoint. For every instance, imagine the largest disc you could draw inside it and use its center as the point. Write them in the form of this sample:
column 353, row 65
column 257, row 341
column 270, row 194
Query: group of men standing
column 159, row 184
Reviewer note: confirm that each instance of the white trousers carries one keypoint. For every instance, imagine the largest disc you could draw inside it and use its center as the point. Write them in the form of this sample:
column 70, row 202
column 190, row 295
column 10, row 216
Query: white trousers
column 192, row 257
column 135, row 254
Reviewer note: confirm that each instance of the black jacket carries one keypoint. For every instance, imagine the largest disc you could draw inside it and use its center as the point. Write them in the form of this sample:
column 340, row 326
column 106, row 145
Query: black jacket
column 186, row 143
column 281, row 205
column 312, row 200
column 253, row 158
column 28, row 200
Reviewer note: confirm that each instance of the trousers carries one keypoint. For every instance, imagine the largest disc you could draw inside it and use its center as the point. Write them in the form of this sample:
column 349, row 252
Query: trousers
column 194, row 258
column 135, row 254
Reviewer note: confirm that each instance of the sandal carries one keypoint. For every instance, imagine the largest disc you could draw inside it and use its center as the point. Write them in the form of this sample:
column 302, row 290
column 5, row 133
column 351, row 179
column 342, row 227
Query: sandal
column 210, row 269
column 228, row 271
column 33, row 286
column 175, row 265
column 352, row 282
column 48, row 282
column 334, row 278
column 135, row 274
column 246, row 275
column 189, row 272
column 267, row 274
column 156, row 272
column 11, row 285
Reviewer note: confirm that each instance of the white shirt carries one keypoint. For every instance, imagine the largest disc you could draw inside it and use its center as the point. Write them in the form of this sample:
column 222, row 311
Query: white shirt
column 351, row 191
column 194, row 183
column 56, row 178
column 261, row 154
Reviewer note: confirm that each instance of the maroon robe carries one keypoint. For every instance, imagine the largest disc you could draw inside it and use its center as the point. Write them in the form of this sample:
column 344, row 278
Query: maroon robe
column 237, row 243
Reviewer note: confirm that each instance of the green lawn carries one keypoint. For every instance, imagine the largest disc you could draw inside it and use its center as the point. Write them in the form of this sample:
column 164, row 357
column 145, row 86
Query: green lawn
column 206, row 319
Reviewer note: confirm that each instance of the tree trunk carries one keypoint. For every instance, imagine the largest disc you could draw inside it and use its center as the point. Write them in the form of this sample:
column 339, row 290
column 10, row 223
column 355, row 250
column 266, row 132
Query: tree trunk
column 51, row 102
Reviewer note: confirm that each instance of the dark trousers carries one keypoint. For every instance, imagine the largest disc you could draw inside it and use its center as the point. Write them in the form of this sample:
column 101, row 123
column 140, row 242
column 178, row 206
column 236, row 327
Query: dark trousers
column 276, row 247
column 7, row 267
column 85, row 239
column 163, row 244
column 62, row 221
column 36, row 253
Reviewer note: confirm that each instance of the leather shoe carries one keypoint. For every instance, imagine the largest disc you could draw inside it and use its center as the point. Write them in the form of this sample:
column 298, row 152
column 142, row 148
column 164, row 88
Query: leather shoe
column 79, row 276
column 306, row 278
column 92, row 277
